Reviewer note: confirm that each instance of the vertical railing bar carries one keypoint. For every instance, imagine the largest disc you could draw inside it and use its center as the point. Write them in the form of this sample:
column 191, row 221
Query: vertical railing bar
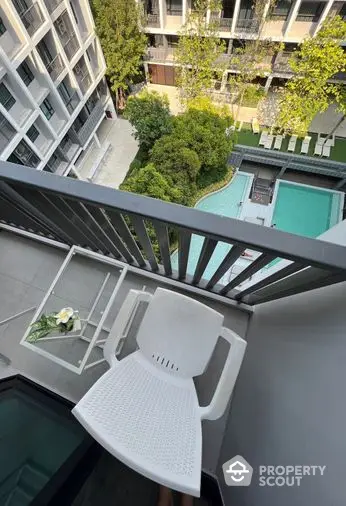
column 208, row 248
column 183, row 252
column 277, row 276
column 231, row 257
column 256, row 265
column 143, row 237
column 162, row 236
column 106, row 226
column 123, row 231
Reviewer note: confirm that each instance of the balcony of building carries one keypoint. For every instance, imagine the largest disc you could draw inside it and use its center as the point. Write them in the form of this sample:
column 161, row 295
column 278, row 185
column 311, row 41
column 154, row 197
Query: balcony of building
column 151, row 16
column 295, row 341
column 306, row 21
column 94, row 56
column 32, row 78
column 52, row 5
column 7, row 132
column 24, row 155
column 50, row 56
column 10, row 41
column 14, row 101
column 87, row 121
column 81, row 19
column 40, row 136
column 52, row 111
column 82, row 75
column 65, row 31
column 160, row 54
column 56, row 165
column 174, row 15
column 30, row 15
column 68, row 148
column 68, row 94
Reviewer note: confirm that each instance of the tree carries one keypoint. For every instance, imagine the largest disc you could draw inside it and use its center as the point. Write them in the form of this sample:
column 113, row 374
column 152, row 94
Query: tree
column 205, row 133
column 317, row 60
column 148, row 181
column 149, row 113
column 179, row 164
column 198, row 52
column 123, row 43
column 253, row 57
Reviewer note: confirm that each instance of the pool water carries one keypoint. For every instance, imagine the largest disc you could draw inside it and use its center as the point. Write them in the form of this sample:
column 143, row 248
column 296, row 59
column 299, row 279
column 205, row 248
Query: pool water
column 226, row 203
column 304, row 210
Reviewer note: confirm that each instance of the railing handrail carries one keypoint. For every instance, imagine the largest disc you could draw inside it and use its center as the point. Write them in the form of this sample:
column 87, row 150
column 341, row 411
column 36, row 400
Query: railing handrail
column 271, row 241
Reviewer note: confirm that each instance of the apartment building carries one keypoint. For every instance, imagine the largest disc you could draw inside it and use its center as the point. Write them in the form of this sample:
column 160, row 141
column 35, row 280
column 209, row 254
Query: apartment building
column 289, row 22
column 53, row 93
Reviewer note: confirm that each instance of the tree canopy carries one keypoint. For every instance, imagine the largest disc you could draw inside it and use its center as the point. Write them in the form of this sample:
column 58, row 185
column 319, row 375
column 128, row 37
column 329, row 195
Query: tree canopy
column 148, row 112
column 309, row 91
column 123, row 43
column 198, row 51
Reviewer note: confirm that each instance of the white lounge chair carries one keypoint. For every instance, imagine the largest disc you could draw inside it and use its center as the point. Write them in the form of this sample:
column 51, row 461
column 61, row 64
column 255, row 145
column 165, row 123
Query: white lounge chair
column 144, row 410
column 326, row 151
column 292, row 143
column 278, row 142
column 269, row 141
column 263, row 138
column 318, row 149
column 305, row 145
column 255, row 126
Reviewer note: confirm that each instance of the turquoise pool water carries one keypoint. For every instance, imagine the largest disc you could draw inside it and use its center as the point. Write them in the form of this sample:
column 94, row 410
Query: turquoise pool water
column 224, row 202
column 304, row 210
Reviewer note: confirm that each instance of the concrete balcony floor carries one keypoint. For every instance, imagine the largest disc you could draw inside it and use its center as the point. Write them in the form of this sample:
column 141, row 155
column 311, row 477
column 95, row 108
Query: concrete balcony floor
column 27, row 269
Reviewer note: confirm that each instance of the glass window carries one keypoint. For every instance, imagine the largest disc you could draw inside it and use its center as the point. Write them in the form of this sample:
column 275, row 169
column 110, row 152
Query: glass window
column 24, row 156
column 74, row 13
column 44, row 52
column 25, row 73
column 6, row 97
column 281, row 10
column 33, row 133
column 310, row 11
column 47, row 109
column 64, row 92
column 246, row 10
column 2, row 27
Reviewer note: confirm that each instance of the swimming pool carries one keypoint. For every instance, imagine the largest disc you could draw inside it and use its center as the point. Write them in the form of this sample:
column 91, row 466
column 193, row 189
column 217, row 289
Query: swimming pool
column 304, row 210
column 226, row 203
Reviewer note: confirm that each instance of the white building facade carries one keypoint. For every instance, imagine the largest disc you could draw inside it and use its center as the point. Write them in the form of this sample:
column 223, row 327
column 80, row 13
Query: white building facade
column 53, row 93
column 289, row 22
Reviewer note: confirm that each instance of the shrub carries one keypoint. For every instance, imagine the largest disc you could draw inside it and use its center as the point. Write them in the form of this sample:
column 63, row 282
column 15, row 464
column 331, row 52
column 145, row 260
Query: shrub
column 149, row 114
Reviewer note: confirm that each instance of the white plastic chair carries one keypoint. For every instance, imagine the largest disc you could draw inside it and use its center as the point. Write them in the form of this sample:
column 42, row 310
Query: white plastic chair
column 278, row 142
column 145, row 410
column 263, row 139
column 305, row 145
column 269, row 141
column 318, row 149
column 326, row 151
column 292, row 143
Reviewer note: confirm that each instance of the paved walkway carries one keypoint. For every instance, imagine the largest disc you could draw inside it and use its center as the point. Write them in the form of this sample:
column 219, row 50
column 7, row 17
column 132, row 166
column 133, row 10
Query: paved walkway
column 116, row 162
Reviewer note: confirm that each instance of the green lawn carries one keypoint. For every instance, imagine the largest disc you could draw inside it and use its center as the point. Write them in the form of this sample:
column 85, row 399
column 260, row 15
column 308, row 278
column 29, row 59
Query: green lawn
column 337, row 153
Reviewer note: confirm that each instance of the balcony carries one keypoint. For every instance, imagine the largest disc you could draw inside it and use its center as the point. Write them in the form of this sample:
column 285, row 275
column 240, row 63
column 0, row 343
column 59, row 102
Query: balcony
column 32, row 18
column 71, row 47
column 296, row 342
column 55, row 67
column 52, row 5
column 83, row 134
column 66, row 35
column 224, row 24
column 281, row 64
column 160, row 54
column 247, row 26
column 7, row 132
column 152, row 20
column 84, row 81
column 72, row 102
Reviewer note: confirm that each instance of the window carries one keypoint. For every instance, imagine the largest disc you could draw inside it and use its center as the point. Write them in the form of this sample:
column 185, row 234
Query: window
column 174, row 7
column 281, row 10
column 7, row 132
column 44, row 53
column 246, row 10
column 64, row 93
column 74, row 13
column 6, row 98
column 33, row 133
column 47, row 109
column 24, row 156
column 25, row 73
column 310, row 11
column 2, row 27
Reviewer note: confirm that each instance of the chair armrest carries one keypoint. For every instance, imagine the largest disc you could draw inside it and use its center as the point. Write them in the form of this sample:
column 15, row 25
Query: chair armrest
column 228, row 376
column 122, row 323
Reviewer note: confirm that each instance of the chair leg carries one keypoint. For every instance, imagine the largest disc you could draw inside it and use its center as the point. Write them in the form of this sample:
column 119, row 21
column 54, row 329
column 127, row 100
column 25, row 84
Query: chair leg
column 165, row 497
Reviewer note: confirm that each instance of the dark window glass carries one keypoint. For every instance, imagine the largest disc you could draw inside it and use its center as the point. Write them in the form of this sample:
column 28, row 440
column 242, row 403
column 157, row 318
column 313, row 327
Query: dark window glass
column 47, row 109
column 25, row 73
column 6, row 98
column 44, row 52
column 74, row 13
column 281, row 10
column 64, row 92
column 2, row 27
column 24, row 156
column 310, row 11
column 33, row 133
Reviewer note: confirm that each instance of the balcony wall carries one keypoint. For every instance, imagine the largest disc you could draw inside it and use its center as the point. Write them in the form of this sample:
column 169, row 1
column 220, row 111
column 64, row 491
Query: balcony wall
column 84, row 133
column 32, row 18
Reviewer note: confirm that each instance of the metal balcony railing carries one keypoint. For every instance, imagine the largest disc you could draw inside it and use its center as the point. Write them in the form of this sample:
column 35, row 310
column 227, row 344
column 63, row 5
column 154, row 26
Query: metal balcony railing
column 32, row 18
column 247, row 25
column 52, row 5
column 115, row 223
column 71, row 47
column 55, row 67
column 84, row 81
column 72, row 103
column 153, row 20
column 83, row 134
column 160, row 54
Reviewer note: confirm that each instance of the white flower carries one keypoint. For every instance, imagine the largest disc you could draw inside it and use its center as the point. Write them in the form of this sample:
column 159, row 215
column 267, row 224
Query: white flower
column 64, row 315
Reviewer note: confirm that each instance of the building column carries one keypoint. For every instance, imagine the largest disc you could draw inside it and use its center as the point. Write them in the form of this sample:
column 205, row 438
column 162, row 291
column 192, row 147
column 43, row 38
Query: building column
column 224, row 81
column 230, row 46
column 235, row 16
column 97, row 140
column 184, row 11
column 324, row 14
column 292, row 17
column 268, row 83
column 162, row 13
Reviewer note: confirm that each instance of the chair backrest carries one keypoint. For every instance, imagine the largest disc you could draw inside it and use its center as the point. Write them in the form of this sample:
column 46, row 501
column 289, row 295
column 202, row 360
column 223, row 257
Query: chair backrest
column 178, row 333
